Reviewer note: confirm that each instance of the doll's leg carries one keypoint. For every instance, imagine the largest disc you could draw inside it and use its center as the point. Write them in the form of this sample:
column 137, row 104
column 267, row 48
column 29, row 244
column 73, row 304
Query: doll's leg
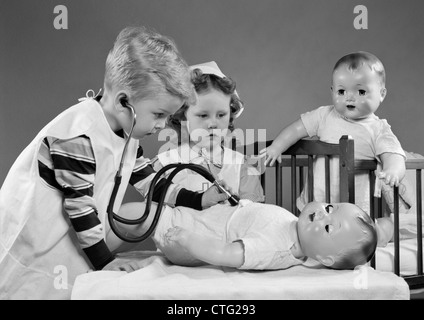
column 207, row 249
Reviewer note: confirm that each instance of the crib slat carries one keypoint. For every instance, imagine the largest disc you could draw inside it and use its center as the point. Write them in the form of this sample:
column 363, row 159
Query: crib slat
column 278, row 184
column 301, row 179
column 419, row 223
column 263, row 182
column 327, row 179
column 396, row 231
column 347, row 169
column 293, row 184
column 310, row 178
column 372, row 212
column 380, row 207
column 371, row 178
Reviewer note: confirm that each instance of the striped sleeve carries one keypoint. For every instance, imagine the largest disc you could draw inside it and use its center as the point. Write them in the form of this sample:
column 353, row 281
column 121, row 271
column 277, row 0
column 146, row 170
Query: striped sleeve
column 70, row 166
column 176, row 195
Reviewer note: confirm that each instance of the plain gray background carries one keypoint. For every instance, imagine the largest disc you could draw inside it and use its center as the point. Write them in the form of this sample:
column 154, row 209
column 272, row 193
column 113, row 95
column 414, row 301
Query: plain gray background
column 280, row 53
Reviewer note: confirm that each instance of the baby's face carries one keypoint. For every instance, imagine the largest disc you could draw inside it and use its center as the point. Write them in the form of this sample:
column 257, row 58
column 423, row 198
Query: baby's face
column 357, row 94
column 326, row 229
column 208, row 120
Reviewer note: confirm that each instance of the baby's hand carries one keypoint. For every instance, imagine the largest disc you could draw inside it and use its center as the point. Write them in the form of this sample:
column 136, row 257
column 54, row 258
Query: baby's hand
column 390, row 178
column 272, row 154
column 393, row 168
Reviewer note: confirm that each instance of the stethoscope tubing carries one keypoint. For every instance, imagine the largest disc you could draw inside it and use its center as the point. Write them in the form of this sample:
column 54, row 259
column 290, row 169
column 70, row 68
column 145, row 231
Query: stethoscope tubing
column 177, row 168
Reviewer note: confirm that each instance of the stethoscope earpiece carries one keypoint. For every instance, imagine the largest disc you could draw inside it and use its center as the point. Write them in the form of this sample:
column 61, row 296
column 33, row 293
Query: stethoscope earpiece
column 124, row 101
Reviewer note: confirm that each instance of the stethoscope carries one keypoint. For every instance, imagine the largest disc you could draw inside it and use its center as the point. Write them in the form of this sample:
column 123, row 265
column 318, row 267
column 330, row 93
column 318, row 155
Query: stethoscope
column 234, row 200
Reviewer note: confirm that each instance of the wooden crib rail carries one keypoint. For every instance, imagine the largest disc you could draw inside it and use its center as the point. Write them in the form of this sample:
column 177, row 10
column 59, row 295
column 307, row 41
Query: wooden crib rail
column 299, row 158
column 414, row 281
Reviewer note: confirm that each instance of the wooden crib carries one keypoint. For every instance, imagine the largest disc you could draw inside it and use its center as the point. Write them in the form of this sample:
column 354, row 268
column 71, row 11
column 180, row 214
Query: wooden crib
column 160, row 279
column 297, row 165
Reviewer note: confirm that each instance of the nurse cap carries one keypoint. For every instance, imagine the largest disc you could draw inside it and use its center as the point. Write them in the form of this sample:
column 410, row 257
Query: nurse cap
column 212, row 68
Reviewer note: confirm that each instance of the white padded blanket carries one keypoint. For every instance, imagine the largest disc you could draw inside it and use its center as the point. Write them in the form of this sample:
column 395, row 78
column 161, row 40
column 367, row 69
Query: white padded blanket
column 408, row 257
column 159, row 279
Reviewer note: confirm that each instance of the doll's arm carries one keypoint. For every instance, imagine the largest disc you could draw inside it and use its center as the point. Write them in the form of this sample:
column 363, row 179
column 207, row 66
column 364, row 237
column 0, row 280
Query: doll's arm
column 393, row 168
column 206, row 249
column 285, row 139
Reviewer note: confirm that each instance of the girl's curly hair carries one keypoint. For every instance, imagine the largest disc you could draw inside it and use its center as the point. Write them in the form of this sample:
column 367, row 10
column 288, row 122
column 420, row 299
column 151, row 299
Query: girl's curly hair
column 203, row 83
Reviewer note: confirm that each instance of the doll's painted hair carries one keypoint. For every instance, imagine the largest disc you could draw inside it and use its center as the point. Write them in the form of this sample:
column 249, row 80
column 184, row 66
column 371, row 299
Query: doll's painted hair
column 365, row 248
column 356, row 60
column 203, row 83
column 147, row 64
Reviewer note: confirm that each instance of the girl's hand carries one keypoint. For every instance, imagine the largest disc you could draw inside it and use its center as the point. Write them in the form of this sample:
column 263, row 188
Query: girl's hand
column 213, row 196
column 271, row 155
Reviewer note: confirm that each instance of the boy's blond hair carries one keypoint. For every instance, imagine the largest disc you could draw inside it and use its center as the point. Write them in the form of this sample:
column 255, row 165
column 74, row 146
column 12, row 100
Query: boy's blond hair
column 147, row 64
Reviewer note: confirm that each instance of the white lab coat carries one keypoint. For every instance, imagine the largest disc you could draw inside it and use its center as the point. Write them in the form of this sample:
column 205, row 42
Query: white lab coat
column 40, row 255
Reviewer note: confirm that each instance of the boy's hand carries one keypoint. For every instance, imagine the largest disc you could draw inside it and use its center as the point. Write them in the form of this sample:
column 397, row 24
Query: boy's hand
column 120, row 264
column 213, row 196
column 271, row 155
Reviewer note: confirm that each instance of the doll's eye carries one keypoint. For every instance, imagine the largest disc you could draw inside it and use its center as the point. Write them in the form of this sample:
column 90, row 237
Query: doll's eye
column 341, row 92
column 329, row 208
column 329, row 228
column 362, row 92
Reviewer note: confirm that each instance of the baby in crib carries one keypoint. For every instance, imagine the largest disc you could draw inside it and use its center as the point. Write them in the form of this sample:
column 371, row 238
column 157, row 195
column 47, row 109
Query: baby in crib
column 257, row 236
column 358, row 89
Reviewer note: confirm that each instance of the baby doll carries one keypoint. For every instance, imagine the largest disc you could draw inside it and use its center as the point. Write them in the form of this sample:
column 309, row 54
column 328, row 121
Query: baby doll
column 358, row 89
column 264, row 236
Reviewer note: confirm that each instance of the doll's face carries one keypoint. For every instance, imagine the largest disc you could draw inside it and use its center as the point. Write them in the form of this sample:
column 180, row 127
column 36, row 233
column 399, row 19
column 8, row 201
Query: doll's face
column 357, row 94
column 326, row 229
column 208, row 120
